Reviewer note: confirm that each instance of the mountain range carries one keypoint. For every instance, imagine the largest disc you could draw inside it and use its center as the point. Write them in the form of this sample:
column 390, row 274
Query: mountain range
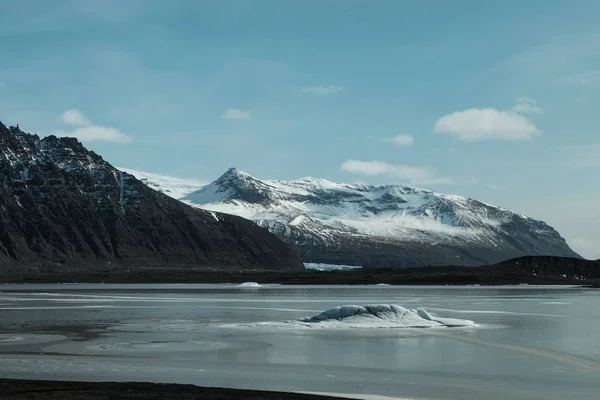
column 63, row 206
column 366, row 225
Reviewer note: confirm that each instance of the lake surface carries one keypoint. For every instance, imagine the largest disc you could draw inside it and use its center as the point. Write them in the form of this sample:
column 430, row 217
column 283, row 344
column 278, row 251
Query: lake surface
column 530, row 342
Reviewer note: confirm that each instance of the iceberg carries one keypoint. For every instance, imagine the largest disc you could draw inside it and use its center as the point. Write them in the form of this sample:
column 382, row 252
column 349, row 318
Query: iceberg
column 370, row 317
column 249, row 285
column 382, row 316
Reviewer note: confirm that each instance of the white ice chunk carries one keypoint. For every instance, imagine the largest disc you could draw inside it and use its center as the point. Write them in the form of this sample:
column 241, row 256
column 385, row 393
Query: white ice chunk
column 370, row 316
column 249, row 285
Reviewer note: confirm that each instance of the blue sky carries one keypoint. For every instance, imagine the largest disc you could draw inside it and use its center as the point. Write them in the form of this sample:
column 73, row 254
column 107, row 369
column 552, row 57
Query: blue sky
column 494, row 100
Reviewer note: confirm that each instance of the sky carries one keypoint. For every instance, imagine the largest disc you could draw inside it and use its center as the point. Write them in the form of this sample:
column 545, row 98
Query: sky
column 496, row 100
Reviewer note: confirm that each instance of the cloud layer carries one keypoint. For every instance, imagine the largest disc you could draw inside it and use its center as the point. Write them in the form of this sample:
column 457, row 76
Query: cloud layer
column 322, row 90
column 234, row 113
column 525, row 105
column 400, row 140
column 85, row 131
column 74, row 117
column 477, row 124
column 415, row 175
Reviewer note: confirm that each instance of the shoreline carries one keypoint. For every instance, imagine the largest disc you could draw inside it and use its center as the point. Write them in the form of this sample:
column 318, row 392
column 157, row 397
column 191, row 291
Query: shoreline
column 458, row 276
column 21, row 389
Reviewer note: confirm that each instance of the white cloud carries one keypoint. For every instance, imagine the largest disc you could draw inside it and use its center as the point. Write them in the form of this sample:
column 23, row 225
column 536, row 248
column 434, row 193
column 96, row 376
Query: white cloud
column 234, row 113
column 526, row 105
column 322, row 90
column 98, row 133
column 416, row 175
column 74, row 117
column 87, row 132
column 400, row 140
column 477, row 124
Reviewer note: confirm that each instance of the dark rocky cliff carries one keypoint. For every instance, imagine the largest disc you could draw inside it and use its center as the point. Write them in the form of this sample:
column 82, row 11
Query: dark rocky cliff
column 62, row 206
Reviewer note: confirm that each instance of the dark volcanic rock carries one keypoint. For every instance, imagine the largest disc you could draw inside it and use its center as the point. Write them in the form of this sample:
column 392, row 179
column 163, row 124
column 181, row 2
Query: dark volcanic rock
column 62, row 205
column 565, row 267
column 526, row 270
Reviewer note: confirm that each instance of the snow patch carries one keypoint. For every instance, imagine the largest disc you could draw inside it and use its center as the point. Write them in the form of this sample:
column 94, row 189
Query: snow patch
column 18, row 200
column 214, row 215
column 329, row 267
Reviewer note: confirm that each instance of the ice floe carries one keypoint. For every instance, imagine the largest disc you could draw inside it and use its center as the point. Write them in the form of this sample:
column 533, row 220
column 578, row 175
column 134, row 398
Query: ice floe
column 370, row 316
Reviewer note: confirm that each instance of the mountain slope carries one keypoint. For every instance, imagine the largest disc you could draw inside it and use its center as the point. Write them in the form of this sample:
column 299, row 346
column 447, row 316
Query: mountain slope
column 172, row 187
column 367, row 225
column 63, row 206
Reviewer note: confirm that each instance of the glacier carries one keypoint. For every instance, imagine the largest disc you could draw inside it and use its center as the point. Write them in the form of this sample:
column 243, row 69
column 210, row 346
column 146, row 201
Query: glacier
column 329, row 267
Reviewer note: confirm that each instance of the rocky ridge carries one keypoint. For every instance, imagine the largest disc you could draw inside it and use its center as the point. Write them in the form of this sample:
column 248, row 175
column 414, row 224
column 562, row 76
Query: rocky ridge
column 382, row 226
column 63, row 206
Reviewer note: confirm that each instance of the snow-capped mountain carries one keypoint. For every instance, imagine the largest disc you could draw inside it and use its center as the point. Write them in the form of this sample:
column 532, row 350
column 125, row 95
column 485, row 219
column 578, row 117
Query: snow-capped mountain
column 64, row 207
column 391, row 225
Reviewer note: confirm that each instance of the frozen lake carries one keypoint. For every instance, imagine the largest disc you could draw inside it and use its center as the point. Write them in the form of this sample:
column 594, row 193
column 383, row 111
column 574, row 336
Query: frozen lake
column 529, row 342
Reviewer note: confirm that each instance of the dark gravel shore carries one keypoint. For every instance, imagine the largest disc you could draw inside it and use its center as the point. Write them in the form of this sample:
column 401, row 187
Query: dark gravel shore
column 526, row 270
column 414, row 276
column 57, row 390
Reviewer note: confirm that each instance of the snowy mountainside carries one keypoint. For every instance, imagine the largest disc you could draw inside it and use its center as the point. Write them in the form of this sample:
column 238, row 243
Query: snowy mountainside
column 173, row 187
column 392, row 225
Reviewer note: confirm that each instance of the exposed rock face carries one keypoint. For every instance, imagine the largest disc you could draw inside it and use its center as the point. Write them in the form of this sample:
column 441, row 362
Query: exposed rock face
column 564, row 267
column 64, row 206
column 382, row 226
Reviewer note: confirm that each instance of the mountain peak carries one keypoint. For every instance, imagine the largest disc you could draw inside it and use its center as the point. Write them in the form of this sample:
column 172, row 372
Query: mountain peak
column 235, row 177
column 10, row 130
column 235, row 172
column 234, row 184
